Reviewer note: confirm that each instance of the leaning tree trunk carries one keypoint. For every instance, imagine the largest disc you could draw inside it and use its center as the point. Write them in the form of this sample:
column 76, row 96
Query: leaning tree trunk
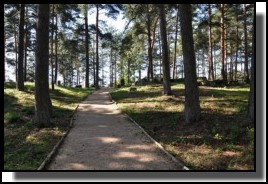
column 166, row 68
column 43, row 106
column 192, row 106
column 20, row 82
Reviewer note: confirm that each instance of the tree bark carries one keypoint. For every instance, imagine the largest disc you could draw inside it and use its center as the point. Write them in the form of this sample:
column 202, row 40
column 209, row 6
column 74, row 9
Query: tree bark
column 43, row 106
column 210, row 55
column 51, row 54
column 222, row 44
column 175, row 46
column 56, row 51
column 166, row 68
column 252, row 80
column 237, row 44
column 150, row 53
column 246, row 44
column 16, row 53
column 20, row 82
column 87, row 56
column 25, row 47
column 97, row 47
column 192, row 106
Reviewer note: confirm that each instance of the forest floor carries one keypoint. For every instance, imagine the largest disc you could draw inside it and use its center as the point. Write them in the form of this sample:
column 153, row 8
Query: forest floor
column 25, row 145
column 105, row 139
column 223, row 139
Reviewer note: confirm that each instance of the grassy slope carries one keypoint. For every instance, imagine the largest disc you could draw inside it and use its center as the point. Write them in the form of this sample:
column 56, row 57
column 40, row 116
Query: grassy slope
column 26, row 146
column 221, row 140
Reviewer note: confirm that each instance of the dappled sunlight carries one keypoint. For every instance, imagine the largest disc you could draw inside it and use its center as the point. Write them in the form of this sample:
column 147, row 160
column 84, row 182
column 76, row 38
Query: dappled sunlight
column 108, row 139
column 37, row 137
column 77, row 166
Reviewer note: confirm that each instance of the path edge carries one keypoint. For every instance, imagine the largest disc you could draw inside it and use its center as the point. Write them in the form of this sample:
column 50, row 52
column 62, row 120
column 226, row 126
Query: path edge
column 152, row 139
column 48, row 159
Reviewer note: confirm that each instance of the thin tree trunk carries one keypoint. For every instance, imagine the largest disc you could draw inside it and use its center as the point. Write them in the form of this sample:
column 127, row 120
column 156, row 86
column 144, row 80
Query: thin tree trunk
column 115, row 69
column 87, row 56
column 20, row 83
column 175, row 45
column 56, row 51
column 97, row 47
column 51, row 54
column 16, row 53
column 43, row 106
column 252, row 80
column 4, row 55
column 111, row 68
column 237, row 44
column 150, row 54
column 222, row 44
column 25, row 46
column 192, row 106
column 166, row 68
column 246, row 44
column 160, row 54
column 210, row 55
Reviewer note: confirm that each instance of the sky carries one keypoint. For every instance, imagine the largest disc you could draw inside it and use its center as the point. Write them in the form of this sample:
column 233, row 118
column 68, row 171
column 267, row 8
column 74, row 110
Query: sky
column 118, row 24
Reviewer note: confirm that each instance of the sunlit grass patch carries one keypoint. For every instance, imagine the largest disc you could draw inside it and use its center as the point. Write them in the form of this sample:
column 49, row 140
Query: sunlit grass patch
column 25, row 145
column 221, row 140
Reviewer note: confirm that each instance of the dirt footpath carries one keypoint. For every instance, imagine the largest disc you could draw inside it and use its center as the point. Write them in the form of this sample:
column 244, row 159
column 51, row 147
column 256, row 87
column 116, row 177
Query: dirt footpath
column 104, row 139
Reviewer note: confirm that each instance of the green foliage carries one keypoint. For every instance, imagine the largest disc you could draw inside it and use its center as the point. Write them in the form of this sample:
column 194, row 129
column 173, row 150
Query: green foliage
column 12, row 117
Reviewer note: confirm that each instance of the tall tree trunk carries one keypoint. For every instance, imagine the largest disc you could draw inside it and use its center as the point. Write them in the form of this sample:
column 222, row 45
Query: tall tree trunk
column 93, row 62
column 210, row 55
column 111, row 68
column 56, row 51
column 246, row 44
column 192, row 106
column 20, row 83
column 237, row 44
column 87, row 56
column 225, row 55
column 25, row 46
column 150, row 53
column 175, row 46
column 43, row 106
column 160, row 54
column 128, row 71
column 166, row 68
column 222, row 44
column 252, row 79
column 16, row 52
column 4, row 55
column 97, row 47
column 51, row 54
column 115, row 70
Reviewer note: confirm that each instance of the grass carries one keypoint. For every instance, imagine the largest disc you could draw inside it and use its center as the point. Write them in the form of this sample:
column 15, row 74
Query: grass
column 223, row 139
column 26, row 146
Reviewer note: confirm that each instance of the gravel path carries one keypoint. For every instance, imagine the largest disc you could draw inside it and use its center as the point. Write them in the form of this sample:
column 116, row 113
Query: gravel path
column 104, row 139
